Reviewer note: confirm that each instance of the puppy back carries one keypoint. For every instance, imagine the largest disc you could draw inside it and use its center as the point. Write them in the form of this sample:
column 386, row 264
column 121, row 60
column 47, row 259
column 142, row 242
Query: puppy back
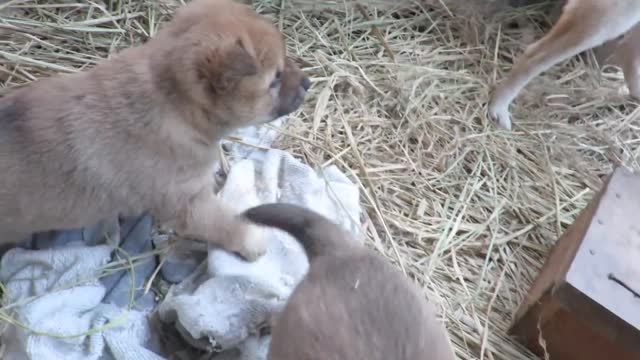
column 317, row 234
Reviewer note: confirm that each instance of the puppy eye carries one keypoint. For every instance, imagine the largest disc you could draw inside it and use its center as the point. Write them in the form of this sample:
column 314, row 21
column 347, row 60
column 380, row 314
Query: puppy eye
column 276, row 82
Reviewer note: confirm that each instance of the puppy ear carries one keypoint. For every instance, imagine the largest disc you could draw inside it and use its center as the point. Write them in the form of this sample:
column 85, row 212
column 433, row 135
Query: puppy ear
column 241, row 61
column 221, row 67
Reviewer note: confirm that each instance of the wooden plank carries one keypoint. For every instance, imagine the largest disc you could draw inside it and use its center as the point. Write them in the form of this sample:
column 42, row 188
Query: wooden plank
column 583, row 304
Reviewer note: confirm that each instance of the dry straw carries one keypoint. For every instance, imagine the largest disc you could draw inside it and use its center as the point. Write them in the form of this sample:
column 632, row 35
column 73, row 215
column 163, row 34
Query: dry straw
column 398, row 102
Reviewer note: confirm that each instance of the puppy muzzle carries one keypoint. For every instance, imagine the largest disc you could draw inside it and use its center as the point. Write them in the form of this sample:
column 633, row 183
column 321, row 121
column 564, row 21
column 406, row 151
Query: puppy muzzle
column 293, row 103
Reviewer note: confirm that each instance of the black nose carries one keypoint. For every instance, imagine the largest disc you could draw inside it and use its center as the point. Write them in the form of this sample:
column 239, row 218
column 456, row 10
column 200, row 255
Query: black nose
column 305, row 83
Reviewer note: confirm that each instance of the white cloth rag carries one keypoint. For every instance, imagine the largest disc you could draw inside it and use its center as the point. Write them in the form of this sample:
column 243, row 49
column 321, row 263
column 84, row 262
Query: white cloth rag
column 55, row 293
column 220, row 306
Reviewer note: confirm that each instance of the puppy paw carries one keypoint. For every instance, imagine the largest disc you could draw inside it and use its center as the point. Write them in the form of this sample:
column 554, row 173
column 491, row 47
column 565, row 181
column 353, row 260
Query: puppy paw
column 251, row 244
column 634, row 91
column 500, row 115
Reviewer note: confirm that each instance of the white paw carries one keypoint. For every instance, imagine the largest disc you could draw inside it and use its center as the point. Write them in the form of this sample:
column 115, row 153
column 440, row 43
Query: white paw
column 253, row 243
column 500, row 114
column 634, row 91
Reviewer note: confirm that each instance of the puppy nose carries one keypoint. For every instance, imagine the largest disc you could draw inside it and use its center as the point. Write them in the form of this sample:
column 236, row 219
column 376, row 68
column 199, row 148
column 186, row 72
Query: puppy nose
column 305, row 83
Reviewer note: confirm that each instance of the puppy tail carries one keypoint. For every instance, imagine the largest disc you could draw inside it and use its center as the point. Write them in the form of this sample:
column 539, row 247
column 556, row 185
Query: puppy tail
column 317, row 234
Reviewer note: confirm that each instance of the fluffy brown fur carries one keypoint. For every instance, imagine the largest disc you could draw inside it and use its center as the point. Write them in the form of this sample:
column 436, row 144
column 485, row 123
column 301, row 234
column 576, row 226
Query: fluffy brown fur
column 139, row 132
column 352, row 304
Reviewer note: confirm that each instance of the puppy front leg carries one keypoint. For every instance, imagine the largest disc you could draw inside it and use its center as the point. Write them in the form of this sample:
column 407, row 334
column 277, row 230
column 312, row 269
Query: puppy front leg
column 208, row 218
column 628, row 54
column 582, row 26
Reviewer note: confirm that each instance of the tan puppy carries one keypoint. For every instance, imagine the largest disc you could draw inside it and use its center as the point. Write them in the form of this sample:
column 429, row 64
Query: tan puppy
column 352, row 304
column 140, row 131
column 584, row 24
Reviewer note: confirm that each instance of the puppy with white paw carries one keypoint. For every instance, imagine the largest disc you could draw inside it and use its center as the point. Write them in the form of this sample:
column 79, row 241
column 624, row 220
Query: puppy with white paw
column 140, row 131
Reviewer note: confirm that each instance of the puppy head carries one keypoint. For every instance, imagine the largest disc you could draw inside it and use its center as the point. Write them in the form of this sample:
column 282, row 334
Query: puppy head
column 228, row 60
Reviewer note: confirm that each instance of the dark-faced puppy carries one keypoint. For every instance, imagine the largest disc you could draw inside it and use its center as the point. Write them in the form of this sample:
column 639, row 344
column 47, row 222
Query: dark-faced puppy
column 139, row 132
column 352, row 304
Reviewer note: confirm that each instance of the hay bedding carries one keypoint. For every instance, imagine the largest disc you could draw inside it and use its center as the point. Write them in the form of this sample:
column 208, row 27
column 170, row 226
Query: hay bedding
column 467, row 209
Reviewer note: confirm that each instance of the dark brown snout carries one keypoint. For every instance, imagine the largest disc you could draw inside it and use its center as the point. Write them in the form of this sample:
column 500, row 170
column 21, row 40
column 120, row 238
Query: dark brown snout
column 293, row 90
